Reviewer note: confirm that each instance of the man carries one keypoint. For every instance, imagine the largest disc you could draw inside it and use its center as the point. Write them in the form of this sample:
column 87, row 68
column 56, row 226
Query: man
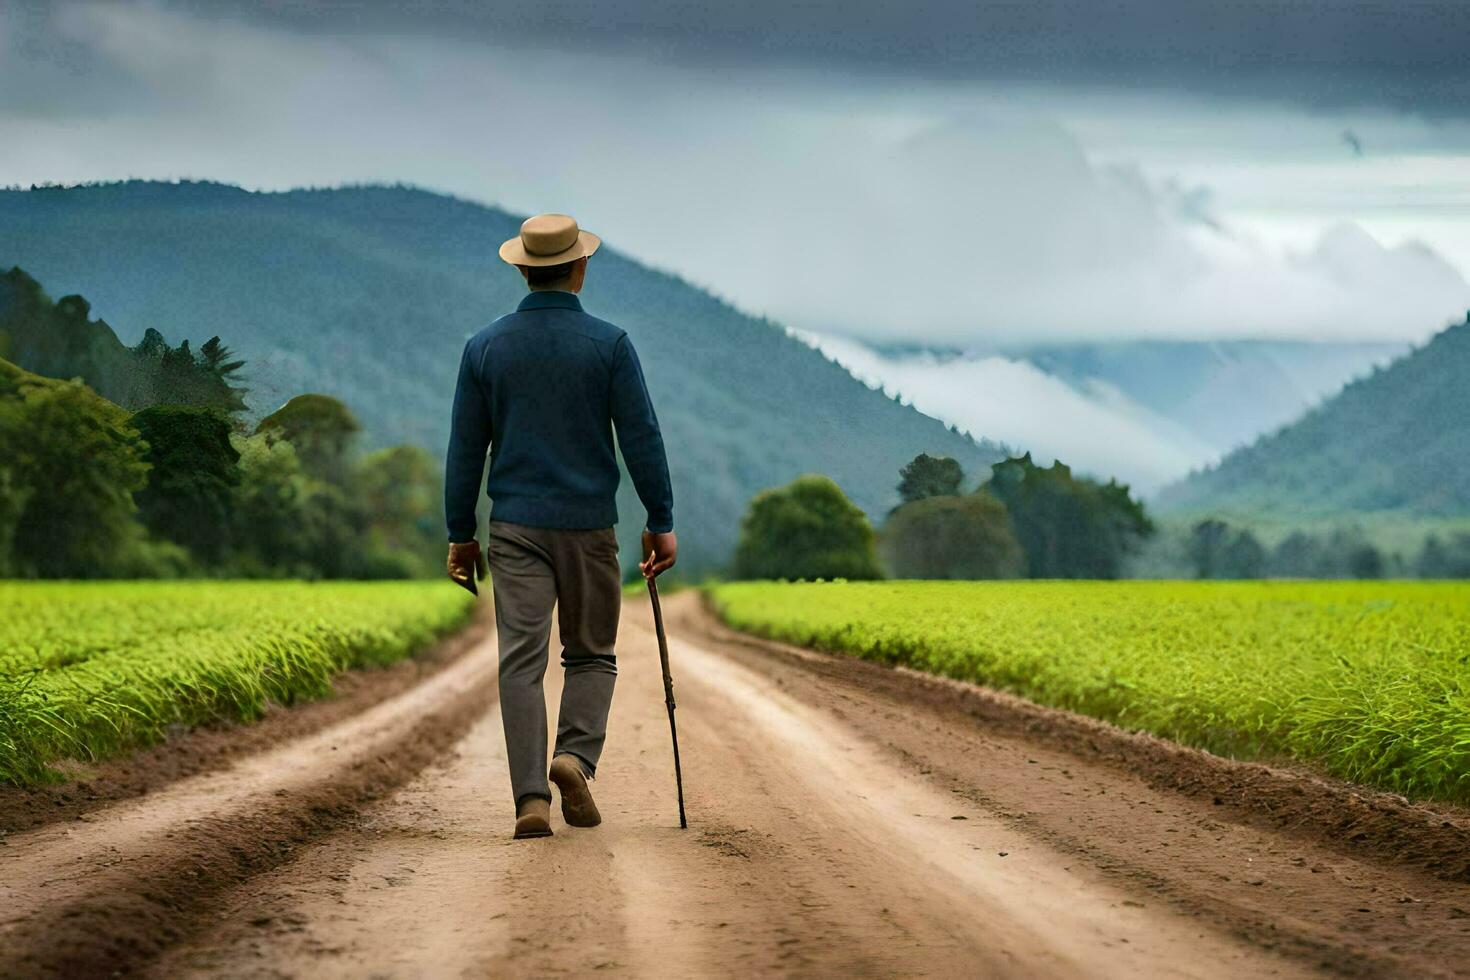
column 543, row 388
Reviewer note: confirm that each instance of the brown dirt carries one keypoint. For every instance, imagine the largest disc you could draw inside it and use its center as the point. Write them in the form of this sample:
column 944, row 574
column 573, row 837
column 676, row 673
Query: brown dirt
column 1359, row 821
column 110, row 890
column 845, row 819
column 199, row 750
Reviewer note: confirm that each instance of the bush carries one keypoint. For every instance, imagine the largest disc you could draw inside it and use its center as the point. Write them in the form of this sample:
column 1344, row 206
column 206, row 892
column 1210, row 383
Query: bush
column 191, row 484
column 966, row 537
column 807, row 529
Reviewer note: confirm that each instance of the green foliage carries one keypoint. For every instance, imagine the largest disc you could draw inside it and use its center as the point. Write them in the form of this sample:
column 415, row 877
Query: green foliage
column 87, row 670
column 215, row 503
column 929, row 476
column 1068, row 527
column 322, row 430
column 367, row 294
column 382, row 521
column 71, row 464
column 949, row 537
column 60, row 340
column 1368, row 681
column 192, row 478
column 268, row 520
column 403, row 501
column 1220, row 551
column 807, row 529
column 1440, row 558
column 1394, row 441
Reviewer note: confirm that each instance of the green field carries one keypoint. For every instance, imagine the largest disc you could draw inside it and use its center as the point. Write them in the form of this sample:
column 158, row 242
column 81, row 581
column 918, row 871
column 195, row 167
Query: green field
column 1367, row 681
column 89, row 669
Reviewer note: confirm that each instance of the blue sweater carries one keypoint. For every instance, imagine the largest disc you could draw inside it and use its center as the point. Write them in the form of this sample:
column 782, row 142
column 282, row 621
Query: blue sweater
column 543, row 388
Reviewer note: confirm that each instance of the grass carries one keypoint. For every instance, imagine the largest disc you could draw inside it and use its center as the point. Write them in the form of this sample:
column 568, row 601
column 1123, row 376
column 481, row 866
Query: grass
column 1368, row 682
column 90, row 669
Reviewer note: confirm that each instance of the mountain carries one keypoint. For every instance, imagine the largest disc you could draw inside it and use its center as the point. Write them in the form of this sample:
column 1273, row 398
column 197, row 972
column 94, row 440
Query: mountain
column 60, row 340
column 369, row 293
column 1225, row 393
column 1396, row 441
column 1146, row 412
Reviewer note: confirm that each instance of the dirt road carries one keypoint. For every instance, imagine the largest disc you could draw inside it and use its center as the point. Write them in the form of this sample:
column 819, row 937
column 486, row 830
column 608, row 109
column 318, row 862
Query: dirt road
column 844, row 820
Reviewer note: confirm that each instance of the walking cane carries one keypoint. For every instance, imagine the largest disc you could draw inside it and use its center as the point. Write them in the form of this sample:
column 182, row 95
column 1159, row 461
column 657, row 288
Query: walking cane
column 663, row 659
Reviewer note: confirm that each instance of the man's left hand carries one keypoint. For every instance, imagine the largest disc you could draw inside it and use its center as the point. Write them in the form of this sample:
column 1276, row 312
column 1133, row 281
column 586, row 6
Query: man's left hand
column 467, row 565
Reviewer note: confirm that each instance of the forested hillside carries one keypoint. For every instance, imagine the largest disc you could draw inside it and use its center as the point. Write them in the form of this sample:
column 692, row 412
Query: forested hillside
column 369, row 293
column 1396, row 441
column 60, row 340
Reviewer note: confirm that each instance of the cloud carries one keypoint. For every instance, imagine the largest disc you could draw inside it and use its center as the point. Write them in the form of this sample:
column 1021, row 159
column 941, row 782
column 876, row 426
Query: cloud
column 996, row 228
column 1099, row 431
column 1313, row 52
column 962, row 215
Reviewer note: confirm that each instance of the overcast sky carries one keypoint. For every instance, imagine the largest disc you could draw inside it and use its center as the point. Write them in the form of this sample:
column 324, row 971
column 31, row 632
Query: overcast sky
column 962, row 174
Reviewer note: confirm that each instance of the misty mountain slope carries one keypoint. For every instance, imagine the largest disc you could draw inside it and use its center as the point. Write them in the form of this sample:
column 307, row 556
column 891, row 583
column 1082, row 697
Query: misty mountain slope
column 1146, row 412
column 369, row 294
column 1395, row 441
column 1225, row 393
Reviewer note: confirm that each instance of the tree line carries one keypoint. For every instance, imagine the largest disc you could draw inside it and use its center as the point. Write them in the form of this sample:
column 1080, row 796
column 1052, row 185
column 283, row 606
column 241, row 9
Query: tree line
column 1217, row 549
column 1024, row 521
column 167, row 478
column 1027, row 521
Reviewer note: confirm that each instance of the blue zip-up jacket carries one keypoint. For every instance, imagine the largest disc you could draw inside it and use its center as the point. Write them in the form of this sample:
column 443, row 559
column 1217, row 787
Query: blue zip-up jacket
column 543, row 388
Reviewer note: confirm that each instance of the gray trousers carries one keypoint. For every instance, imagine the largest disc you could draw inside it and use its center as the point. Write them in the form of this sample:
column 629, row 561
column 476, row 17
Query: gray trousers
column 533, row 569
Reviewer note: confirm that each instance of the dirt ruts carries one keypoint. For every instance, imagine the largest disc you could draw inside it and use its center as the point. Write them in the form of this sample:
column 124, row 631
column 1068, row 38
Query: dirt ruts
column 107, row 891
column 845, row 819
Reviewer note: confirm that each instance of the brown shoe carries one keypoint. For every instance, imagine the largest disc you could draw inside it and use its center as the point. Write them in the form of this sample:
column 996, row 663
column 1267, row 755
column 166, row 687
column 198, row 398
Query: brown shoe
column 533, row 818
column 577, row 808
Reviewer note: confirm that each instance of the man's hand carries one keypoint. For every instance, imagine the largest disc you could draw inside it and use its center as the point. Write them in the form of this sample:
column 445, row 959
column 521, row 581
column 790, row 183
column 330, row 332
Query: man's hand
column 466, row 565
column 660, row 551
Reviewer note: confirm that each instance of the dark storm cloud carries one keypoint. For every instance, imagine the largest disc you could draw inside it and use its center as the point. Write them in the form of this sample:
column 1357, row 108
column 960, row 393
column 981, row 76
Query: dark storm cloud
column 1409, row 54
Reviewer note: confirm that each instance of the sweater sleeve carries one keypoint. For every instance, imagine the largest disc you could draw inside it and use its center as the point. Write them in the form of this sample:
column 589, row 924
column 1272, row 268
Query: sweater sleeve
column 464, row 465
column 639, row 437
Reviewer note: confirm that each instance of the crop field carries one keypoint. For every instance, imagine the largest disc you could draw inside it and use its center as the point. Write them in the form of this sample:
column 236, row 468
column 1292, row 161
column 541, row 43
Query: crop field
column 1367, row 681
column 88, row 669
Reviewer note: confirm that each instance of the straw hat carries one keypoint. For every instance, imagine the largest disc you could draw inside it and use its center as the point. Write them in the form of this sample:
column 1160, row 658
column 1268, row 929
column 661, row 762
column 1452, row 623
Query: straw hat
column 549, row 239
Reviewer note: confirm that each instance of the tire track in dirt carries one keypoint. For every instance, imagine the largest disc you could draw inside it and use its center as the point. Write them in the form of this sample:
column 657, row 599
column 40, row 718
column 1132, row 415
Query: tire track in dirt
column 1356, row 882
column 109, row 891
column 845, row 819
column 811, row 852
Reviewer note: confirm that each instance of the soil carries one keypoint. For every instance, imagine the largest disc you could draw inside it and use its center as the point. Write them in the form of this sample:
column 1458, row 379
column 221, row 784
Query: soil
column 844, row 819
column 187, row 753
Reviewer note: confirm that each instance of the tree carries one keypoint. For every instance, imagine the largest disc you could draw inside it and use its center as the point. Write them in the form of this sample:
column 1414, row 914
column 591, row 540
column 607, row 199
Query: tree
column 191, row 485
column 321, row 429
column 1434, row 559
column 402, row 499
column 1299, row 555
column 1444, row 559
column 807, row 529
column 72, row 463
column 270, row 536
column 1206, row 545
column 948, row 537
column 1244, row 557
column 1218, row 550
column 61, row 340
column 929, row 476
column 1068, row 527
column 1365, row 561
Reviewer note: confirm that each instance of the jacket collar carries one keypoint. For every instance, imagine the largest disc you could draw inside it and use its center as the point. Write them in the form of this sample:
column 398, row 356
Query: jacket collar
column 550, row 299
